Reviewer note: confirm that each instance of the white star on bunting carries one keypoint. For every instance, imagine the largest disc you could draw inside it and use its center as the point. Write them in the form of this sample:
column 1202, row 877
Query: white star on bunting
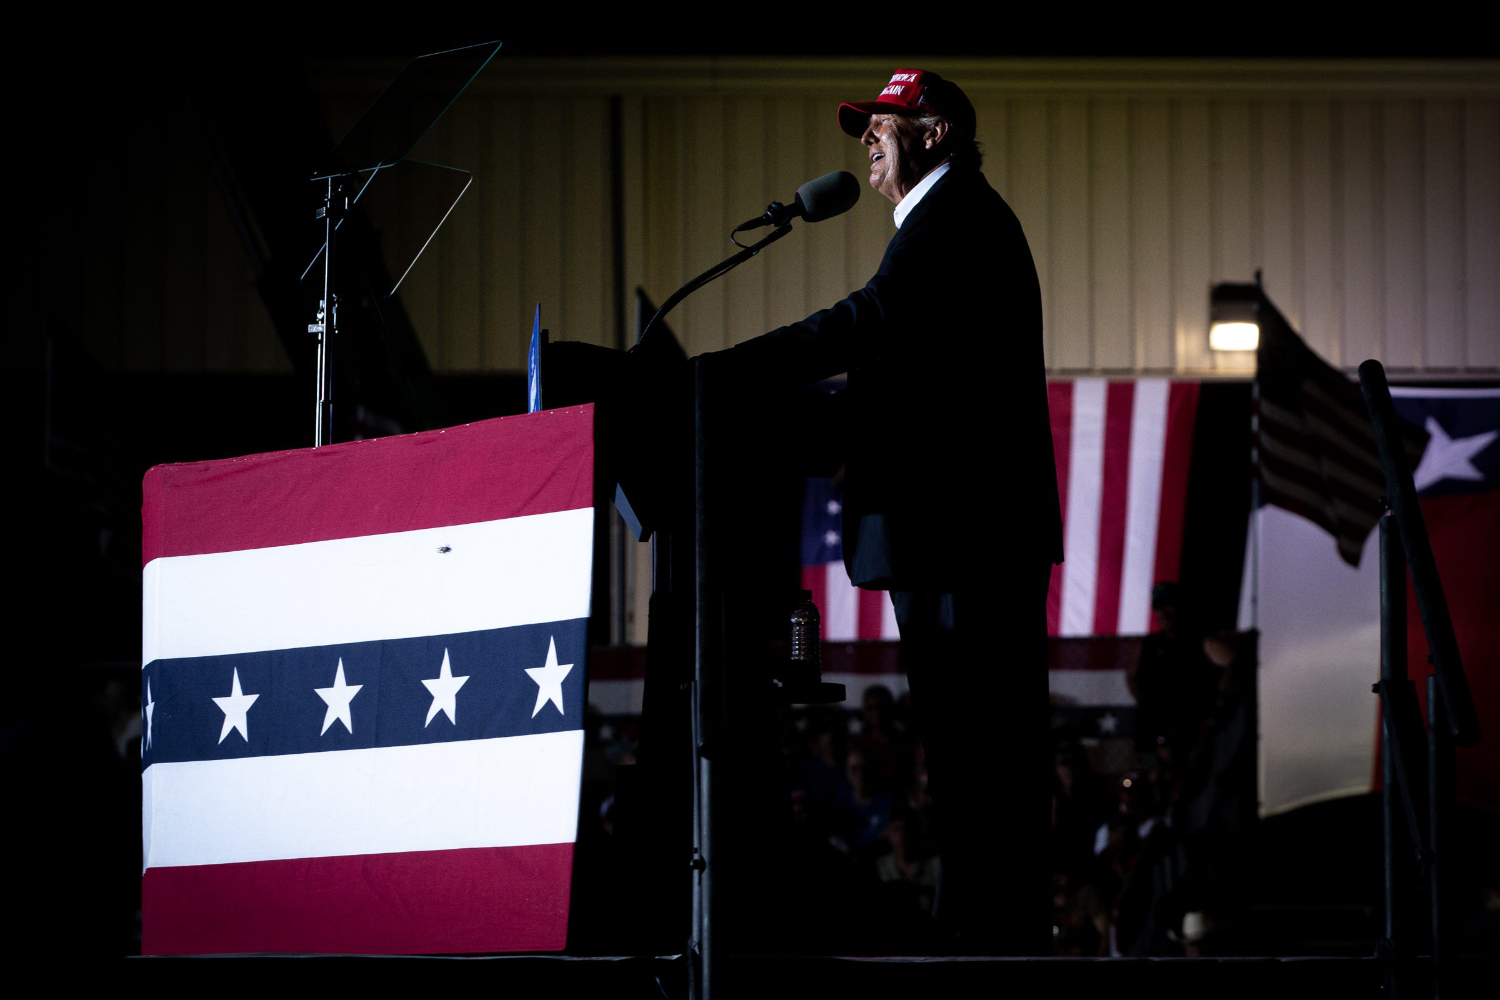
column 338, row 698
column 1108, row 724
column 235, row 707
column 549, row 679
column 444, row 688
column 1450, row 458
column 150, row 711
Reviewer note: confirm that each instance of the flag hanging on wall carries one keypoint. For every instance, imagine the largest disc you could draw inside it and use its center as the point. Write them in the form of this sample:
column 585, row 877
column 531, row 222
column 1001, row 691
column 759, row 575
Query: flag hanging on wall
column 1123, row 450
column 362, row 690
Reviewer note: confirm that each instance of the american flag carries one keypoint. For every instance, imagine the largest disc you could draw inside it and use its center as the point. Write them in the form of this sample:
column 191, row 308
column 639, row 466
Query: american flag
column 1122, row 450
column 1315, row 450
column 362, row 692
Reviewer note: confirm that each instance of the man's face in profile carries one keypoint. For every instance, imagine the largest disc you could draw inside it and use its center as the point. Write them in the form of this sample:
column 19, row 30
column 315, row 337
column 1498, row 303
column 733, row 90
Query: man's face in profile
column 893, row 155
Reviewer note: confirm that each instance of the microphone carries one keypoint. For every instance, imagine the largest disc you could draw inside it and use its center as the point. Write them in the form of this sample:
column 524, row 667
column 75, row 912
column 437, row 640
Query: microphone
column 818, row 199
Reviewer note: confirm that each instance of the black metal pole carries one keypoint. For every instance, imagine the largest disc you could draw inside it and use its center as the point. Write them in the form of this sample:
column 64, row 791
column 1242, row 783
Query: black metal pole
column 720, row 269
column 702, row 954
column 1393, row 672
column 1441, row 765
column 1401, row 493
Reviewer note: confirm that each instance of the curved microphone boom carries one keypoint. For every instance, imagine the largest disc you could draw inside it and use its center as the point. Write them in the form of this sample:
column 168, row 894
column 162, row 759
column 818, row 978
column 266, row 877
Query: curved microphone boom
column 821, row 198
column 818, row 199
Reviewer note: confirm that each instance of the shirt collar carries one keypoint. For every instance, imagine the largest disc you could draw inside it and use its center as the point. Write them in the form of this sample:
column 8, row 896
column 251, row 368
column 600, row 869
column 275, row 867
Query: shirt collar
column 904, row 207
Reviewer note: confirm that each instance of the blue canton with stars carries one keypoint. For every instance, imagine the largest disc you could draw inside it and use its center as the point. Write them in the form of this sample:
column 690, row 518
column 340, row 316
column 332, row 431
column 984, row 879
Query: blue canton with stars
column 193, row 701
column 822, row 523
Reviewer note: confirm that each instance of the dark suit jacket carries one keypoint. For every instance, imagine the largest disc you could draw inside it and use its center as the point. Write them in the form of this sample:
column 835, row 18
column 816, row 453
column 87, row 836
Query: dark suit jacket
column 950, row 480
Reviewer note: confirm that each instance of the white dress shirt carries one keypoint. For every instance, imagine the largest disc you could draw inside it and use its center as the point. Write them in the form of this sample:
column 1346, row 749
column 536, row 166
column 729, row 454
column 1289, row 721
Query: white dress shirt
column 905, row 205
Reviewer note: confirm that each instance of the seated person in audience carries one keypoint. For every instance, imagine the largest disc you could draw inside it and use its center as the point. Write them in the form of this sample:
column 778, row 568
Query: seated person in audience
column 905, row 865
column 862, row 809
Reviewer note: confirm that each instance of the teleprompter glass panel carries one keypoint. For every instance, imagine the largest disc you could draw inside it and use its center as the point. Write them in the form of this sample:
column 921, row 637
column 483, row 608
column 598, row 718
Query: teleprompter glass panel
column 406, row 110
column 400, row 207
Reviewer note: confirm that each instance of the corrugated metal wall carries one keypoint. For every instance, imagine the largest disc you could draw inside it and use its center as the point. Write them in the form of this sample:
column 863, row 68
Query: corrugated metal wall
column 1369, row 193
column 1376, row 220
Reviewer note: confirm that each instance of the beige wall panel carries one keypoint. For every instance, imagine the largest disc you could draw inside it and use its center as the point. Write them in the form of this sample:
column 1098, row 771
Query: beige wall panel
column 1231, row 249
column 703, row 317
column 1369, row 197
column 1110, row 218
column 785, row 263
column 587, row 235
column 1030, row 145
column 1275, row 222
column 633, row 211
column 665, row 178
column 507, row 318
column 1192, row 212
column 457, row 246
column 1360, row 233
column 746, row 184
column 1443, row 235
column 421, row 290
column 1071, row 300
column 1320, row 256
column 544, row 212
column 854, row 157
column 1233, row 225
column 1401, row 211
column 1150, row 234
column 870, row 223
column 990, row 112
column 828, row 242
column 1482, row 232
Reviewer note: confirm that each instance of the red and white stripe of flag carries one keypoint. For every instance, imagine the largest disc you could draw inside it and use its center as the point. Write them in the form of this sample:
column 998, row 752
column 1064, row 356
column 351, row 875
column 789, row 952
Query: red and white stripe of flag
column 1122, row 452
column 849, row 614
column 1122, row 467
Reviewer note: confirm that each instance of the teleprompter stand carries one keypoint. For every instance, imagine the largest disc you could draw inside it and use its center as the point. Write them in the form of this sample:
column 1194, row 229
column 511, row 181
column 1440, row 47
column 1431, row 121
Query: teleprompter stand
column 371, row 164
column 1417, row 769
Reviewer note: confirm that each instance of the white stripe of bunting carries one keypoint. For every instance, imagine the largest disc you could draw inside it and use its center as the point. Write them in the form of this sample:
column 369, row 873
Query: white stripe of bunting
column 504, row 792
column 493, row 574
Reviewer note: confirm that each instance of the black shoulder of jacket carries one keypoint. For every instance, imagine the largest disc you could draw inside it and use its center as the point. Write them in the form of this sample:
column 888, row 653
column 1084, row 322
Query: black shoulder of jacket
column 960, row 197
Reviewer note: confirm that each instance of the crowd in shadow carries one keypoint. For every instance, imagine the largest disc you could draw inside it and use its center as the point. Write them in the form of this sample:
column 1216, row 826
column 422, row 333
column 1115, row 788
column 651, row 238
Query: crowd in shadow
column 1142, row 858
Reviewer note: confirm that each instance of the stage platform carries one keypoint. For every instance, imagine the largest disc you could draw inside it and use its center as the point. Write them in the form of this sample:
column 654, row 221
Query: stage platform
column 784, row 977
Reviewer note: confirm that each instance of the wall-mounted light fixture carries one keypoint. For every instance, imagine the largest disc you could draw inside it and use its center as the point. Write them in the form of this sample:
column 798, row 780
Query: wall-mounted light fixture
column 1233, row 316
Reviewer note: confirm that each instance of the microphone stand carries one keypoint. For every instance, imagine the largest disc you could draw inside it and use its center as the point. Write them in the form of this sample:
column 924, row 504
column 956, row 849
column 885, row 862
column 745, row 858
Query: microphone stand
column 717, row 271
column 703, row 689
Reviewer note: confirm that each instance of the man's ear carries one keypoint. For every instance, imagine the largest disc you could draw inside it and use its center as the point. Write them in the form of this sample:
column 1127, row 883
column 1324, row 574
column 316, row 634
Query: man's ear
column 935, row 133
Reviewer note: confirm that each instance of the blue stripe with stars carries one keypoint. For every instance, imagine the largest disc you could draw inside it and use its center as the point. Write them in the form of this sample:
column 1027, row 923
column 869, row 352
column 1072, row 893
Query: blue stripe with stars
column 191, row 701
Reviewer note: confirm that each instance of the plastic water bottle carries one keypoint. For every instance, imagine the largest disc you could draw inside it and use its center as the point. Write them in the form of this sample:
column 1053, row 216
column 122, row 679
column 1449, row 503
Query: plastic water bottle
column 806, row 626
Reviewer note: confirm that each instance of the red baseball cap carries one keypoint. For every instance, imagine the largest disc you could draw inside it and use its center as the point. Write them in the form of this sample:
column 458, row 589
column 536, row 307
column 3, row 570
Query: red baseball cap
column 911, row 92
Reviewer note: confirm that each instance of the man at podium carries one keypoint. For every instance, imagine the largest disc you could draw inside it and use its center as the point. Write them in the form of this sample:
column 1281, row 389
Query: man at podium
column 950, row 490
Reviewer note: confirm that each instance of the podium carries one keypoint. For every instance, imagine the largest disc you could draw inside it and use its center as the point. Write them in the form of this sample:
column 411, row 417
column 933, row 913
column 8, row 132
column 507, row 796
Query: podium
column 709, row 472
